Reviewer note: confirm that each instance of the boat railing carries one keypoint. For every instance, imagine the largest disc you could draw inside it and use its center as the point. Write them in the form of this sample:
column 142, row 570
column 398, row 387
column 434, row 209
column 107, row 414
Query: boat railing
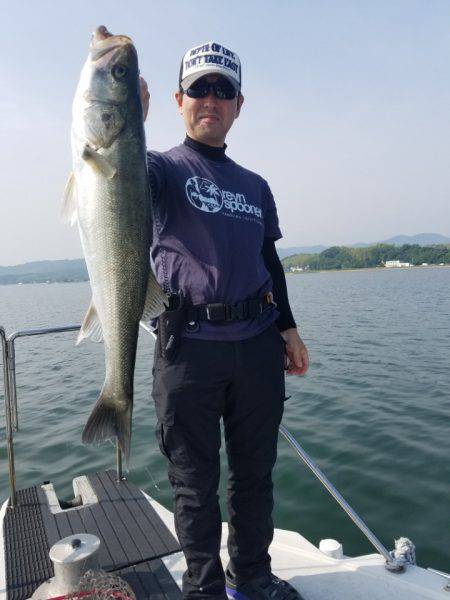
column 8, row 344
column 9, row 419
column 393, row 563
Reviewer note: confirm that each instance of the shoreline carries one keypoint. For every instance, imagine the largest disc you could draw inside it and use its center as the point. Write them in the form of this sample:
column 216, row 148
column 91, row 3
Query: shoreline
column 445, row 266
column 367, row 269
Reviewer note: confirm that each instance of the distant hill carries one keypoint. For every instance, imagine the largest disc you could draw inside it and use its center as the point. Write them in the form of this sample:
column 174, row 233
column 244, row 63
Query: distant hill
column 45, row 271
column 344, row 257
column 421, row 239
column 283, row 252
column 75, row 270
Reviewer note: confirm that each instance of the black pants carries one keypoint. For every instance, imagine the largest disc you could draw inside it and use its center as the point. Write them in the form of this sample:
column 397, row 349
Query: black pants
column 243, row 382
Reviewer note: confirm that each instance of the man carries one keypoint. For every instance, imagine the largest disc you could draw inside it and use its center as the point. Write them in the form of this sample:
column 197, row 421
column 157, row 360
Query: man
column 220, row 353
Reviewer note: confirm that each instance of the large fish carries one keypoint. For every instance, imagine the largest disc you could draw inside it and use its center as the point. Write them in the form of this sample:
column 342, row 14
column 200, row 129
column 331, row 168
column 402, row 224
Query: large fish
column 108, row 195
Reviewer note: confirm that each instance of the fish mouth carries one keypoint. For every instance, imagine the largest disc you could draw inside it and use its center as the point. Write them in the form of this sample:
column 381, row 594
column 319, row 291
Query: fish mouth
column 103, row 42
column 92, row 99
column 100, row 33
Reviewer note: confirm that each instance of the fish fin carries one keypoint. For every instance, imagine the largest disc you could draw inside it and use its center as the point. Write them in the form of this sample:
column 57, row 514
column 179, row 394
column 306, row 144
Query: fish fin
column 91, row 327
column 156, row 300
column 107, row 422
column 69, row 203
column 98, row 162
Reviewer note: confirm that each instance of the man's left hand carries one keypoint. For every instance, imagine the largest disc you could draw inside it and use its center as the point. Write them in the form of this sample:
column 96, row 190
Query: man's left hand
column 297, row 354
column 145, row 96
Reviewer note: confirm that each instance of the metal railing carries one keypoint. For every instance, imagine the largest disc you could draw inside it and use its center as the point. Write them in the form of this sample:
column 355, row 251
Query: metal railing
column 336, row 495
column 8, row 344
column 12, row 421
column 9, row 418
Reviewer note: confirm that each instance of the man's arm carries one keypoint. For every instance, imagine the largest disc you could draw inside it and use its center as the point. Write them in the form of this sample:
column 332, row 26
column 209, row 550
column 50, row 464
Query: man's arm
column 295, row 348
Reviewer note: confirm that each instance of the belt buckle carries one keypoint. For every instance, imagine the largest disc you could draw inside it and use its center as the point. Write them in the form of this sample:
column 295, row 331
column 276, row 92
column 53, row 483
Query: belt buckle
column 229, row 312
column 217, row 312
column 238, row 311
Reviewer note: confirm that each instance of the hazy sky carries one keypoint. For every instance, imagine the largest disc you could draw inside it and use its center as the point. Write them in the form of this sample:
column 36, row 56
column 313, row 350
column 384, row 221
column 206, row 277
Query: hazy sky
column 346, row 113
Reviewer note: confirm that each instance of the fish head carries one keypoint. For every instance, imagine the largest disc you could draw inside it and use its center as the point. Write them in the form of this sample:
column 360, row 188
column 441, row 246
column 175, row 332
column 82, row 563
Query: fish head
column 108, row 90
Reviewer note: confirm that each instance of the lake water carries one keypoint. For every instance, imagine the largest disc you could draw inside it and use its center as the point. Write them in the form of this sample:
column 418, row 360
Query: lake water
column 373, row 410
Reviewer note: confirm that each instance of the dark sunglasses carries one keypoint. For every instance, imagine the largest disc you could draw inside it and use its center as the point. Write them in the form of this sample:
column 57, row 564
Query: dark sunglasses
column 222, row 89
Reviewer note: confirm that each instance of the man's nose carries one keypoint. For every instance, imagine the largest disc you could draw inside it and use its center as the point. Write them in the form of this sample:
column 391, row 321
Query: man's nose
column 210, row 96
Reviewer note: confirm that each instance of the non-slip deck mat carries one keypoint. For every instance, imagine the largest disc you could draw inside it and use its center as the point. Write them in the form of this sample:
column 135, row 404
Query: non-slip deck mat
column 151, row 580
column 130, row 531
column 26, row 546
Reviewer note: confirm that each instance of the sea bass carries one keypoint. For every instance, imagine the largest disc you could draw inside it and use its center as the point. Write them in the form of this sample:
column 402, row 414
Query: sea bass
column 108, row 195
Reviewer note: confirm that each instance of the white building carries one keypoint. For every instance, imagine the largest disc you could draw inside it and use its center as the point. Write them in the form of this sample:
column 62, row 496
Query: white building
column 397, row 263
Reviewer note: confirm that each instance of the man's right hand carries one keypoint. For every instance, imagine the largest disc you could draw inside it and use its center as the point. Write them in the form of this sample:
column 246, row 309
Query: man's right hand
column 145, row 96
column 297, row 354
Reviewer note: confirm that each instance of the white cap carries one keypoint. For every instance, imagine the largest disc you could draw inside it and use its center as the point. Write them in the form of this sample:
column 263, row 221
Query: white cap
column 207, row 59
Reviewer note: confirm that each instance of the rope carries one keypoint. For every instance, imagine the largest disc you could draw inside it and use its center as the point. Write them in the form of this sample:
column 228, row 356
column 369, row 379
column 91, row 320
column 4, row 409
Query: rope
column 99, row 585
column 404, row 552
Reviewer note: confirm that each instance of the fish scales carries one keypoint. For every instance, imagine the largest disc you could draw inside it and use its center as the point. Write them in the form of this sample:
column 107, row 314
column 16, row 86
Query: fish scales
column 108, row 195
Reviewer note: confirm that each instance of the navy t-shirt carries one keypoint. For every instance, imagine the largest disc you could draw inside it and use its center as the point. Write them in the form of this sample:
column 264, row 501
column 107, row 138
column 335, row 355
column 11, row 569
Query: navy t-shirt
column 210, row 220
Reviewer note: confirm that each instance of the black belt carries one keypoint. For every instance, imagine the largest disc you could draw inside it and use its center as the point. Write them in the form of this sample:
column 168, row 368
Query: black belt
column 247, row 309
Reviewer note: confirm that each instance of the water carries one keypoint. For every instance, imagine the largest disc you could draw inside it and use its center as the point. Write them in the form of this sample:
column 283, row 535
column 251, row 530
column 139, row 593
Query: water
column 373, row 410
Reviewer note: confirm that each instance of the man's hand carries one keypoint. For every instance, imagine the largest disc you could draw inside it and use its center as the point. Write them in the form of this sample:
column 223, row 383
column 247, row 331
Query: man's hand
column 297, row 354
column 145, row 96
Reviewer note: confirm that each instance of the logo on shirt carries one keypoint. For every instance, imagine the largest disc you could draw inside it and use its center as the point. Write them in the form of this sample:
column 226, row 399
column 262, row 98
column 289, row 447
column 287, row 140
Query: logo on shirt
column 208, row 197
column 204, row 194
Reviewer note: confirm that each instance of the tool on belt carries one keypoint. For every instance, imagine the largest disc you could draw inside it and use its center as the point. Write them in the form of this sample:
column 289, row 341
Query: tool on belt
column 179, row 314
column 170, row 326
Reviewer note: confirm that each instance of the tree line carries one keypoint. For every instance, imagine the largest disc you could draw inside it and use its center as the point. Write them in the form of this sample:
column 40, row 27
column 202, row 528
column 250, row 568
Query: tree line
column 342, row 257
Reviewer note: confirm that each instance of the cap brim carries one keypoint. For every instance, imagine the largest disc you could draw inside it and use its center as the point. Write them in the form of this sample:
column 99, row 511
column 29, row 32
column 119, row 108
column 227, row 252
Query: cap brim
column 190, row 79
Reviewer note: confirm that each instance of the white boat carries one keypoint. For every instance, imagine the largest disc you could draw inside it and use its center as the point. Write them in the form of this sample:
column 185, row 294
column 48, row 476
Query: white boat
column 138, row 539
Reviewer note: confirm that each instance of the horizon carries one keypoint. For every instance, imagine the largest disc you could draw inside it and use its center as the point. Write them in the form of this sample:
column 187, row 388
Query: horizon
column 278, row 246
column 343, row 116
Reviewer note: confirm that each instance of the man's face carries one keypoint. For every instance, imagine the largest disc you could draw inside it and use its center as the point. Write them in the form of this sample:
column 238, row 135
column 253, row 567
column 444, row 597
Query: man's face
column 209, row 119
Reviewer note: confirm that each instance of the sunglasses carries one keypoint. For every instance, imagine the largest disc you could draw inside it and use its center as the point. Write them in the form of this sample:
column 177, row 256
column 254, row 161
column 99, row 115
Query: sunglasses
column 222, row 89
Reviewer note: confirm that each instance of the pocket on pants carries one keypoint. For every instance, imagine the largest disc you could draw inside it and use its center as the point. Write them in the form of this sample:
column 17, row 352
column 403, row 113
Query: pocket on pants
column 159, row 432
column 172, row 446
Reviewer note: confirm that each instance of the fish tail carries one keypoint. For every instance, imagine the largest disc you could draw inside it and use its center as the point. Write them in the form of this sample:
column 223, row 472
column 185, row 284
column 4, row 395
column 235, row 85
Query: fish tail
column 107, row 421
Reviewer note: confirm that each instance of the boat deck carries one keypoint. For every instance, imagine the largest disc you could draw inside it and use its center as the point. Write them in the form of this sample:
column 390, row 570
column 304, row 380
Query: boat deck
column 319, row 577
column 133, row 537
column 138, row 543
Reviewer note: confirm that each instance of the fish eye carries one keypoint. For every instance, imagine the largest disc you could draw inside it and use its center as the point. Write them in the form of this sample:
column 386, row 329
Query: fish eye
column 119, row 71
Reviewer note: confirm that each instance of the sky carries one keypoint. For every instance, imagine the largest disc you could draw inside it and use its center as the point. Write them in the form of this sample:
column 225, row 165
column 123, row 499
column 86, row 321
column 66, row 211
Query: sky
column 346, row 113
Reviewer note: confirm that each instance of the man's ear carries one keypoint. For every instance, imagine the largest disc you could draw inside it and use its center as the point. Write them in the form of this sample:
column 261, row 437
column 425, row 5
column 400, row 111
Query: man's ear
column 179, row 100
column 240, row 102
